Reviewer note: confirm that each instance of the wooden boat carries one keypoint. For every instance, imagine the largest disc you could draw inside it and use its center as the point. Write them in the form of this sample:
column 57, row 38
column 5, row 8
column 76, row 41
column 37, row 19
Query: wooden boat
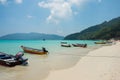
column 34, row 51
column 11, row 61
column 65, row 45
column 80, row 45
column 63, row 42
column 100, row 42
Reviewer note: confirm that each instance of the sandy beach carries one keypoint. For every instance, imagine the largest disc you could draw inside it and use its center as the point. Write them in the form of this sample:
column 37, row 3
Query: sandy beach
column 100, row 64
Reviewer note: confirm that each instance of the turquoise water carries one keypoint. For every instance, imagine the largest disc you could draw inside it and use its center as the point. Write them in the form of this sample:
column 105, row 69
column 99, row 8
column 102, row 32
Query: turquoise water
column 40, row 66
column 13, row 46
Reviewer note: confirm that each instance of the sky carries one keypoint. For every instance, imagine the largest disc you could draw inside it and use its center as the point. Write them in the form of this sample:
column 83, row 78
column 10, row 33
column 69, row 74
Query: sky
column 61, row 17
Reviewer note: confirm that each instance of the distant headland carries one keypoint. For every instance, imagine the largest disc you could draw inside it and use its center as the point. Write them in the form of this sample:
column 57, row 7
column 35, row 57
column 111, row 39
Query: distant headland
column 31, row 36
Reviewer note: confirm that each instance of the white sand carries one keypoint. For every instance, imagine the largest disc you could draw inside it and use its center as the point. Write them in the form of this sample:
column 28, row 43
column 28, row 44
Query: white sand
column 100, row 64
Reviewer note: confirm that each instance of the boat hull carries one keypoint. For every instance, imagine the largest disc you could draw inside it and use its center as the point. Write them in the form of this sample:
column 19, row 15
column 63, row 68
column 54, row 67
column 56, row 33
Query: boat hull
column 4, row 63
column 33, row 51
column 10, row 60
column 80, row 45
column 100, row 42
column 65, row 45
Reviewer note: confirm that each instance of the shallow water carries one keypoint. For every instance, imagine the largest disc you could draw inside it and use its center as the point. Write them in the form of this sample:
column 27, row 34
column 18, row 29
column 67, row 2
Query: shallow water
column 40, row 65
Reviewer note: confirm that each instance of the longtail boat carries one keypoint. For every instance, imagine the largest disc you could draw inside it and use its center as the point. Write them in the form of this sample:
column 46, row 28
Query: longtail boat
column 34, row 51
column 80, row 45
column 100, row 42
column 65, row 45
column 11, row 60
column 63, row 42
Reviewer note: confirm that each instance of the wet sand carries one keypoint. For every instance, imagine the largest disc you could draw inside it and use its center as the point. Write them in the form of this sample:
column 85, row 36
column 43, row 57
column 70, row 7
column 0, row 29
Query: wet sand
column 100, row 64
column 40, row 67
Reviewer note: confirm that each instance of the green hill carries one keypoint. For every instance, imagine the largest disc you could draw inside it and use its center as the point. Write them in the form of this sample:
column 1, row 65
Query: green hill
column 31, row 36
column 105, row 30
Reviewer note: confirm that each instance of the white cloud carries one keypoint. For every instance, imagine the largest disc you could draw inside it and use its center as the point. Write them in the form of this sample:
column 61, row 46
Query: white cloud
column 76, row 2
column 60, row 9
column 18, row 1
column 29, row 16
column 7, row 1
column 3, row 1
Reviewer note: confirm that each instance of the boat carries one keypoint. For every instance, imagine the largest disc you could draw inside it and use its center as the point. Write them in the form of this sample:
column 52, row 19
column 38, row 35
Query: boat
column 11, row 60
column 100, row 42
column 80, row 45
column 63, row 42
column 65, row 45
column 34, row 51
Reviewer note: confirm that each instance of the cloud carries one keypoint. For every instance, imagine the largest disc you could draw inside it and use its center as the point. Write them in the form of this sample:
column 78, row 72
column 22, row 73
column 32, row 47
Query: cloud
column 60, row 9
column 18, row 1
column 29, row 16
column 7, row 1
column 3, row 2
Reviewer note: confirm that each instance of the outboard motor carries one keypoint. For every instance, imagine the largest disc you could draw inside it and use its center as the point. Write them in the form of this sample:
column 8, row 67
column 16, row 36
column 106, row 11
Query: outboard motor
column 44, row 49
column 19, row 57
column 85, row 45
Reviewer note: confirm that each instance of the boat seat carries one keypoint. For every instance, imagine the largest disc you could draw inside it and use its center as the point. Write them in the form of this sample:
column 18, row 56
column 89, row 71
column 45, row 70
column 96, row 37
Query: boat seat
column 2, row 55
column 5, row 57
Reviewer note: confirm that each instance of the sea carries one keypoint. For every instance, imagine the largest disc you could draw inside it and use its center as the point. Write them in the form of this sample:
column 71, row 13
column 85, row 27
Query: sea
column 40, row 66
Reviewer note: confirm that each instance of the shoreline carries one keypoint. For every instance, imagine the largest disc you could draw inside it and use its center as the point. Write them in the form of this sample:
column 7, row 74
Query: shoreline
column 39, row 67
column 99, row 64
column 42, row 67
